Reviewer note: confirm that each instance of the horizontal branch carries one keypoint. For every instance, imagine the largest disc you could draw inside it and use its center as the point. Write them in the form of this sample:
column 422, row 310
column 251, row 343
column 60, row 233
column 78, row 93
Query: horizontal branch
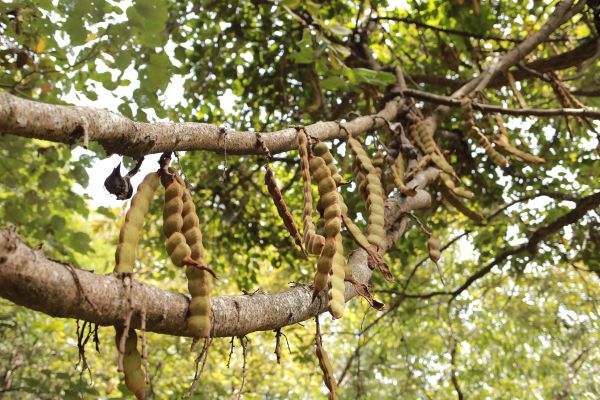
column 30, row 279
column 120, row 135
column 488, row 108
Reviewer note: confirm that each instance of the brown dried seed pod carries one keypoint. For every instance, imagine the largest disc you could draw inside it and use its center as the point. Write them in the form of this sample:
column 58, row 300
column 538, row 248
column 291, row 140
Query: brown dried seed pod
column 321, row 150
column 282, row 209
column 398, row 174
column 331, row 218
column 134, row 220
column 313, row 243
column 199, row 283
column 325, row 365
column 496, row 157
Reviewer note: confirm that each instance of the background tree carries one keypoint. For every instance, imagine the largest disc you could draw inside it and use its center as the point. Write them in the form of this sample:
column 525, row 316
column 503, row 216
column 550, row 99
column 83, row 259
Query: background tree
column 510, row 313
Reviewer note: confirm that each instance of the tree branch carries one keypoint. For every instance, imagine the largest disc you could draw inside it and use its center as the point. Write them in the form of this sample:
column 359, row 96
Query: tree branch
column 488, row 108
column 117, row 134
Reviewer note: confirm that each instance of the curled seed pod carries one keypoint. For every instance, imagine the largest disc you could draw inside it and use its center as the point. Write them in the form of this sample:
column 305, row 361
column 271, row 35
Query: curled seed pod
column 504, row 144
column 313, row 243
column 282, row 210
column 360, row 179
column 325, row 365
column 135, row 379
column 134, row 220
column 379, row 162
column 398, row 174
column 336, row 280
column 433, row 246
column 331, row 217
column 496, row 157
column 321, row 150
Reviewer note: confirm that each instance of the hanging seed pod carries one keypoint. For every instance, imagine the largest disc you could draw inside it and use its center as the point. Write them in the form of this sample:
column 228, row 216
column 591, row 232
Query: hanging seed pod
column 325, row 365
column 433, row 246
column 496, row 157
column 135, row 379
column 504, row 144
column 134, row 220
column 313, row 243
column 361, row 155
column 398, row 174
column 199, row 284
column 282, row 209
column 329, row 201
column 336, row 280
column 321, row 150
column 463, row 209
column 376, row 211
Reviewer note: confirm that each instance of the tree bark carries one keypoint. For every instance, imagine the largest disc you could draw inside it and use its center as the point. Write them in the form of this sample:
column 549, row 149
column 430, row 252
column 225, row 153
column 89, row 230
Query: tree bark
column 120, row 135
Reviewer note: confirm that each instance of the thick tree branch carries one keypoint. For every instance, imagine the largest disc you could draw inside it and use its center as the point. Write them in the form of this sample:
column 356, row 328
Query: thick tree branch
column 30, row 279
column 117, row 134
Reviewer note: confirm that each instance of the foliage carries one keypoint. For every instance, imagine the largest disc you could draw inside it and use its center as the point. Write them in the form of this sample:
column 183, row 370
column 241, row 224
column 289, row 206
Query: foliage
column 528, row 329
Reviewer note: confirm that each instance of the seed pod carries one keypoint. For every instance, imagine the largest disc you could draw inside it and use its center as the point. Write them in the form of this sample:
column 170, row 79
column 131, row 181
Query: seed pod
column 199, row 284
column 313, row 243
column 504, row 144
column 135, row 379
column 433, row 246
column 496, row 157
column 134, row 220
column 336, row 280
column 321, row 150
column 173, row 223
column 376, row 211
column 379, row 163
column 282, row 210
column 361, row 155
column 398, row 174
column 325, row 365
column 331, row 218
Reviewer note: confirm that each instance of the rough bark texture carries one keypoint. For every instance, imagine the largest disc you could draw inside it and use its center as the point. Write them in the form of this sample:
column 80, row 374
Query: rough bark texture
column 30, row 279
column 117, row 134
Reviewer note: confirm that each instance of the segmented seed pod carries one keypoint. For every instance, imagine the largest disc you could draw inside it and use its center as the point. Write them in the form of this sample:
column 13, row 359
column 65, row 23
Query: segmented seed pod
column 361, row 155
column 337, row 276
column 325, row 365
column 433, row 246
column 282, row 209
column 462, row 208
column 135, row 379
column 313, row 243
column 321, row 150
column 423, row 130
column 379, row 163
column 134, row 220
column 360, row 179
column 466, row 113
column 496, row 157
column 329, row 201
column 504, row 144
column 199, row 283
column 176, row 244
column 398, row 175
column 375, row 210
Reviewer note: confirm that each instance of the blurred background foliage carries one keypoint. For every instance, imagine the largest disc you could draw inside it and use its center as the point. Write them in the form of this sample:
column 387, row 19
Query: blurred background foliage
column 527, row 330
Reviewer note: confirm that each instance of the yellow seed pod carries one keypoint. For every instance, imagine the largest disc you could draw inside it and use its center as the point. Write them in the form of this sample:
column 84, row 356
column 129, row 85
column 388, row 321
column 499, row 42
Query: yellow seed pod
column 134, row 220
column 135, row 379
column 496, row 157
column 376, row 211
column 398, row 175
column 337, row 276
column 363, row 159
column 325, row 365
column 313, row 243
